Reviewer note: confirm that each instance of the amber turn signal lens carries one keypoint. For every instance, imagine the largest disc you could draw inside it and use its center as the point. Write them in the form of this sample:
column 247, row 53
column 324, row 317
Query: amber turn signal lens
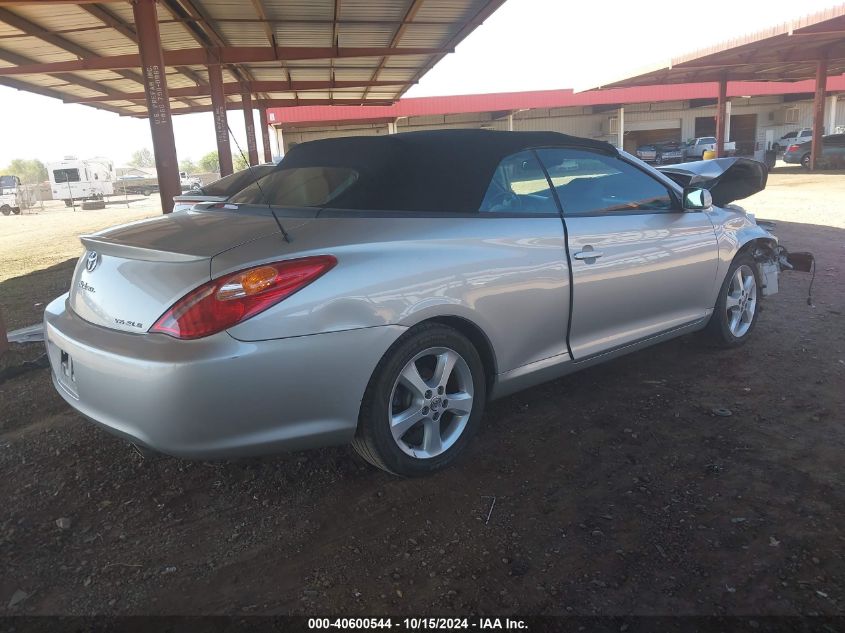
column 258, row 279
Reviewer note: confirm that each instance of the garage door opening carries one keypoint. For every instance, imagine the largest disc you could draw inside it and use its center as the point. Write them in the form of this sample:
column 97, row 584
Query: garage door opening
column 637, row 138
column 743, row 131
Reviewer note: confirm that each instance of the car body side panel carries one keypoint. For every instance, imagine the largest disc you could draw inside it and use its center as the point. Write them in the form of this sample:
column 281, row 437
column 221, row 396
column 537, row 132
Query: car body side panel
column 654, row 274
column 507, row 275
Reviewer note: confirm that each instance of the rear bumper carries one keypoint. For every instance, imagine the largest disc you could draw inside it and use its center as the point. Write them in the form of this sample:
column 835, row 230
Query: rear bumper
column 214, row 397
column 792, row 157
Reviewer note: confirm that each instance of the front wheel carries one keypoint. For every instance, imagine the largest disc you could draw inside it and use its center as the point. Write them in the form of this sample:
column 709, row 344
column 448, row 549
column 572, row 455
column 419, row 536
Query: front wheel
column 5, row 209
column 737, row 307
column 423, row 404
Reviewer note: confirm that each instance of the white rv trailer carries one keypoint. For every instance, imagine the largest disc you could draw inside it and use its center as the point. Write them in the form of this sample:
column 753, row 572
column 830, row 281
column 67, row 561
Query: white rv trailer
column 73, row 179
column 14, row 196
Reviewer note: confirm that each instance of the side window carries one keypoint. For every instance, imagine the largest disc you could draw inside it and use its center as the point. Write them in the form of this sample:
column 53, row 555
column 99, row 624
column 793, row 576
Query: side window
column 519, row 185
column 591, row 183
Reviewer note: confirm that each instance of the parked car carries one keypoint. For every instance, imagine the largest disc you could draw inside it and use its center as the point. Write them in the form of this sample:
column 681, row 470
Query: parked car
column 660, row 153
column 792, row 138
column 695, row 147
column 222, row 189
column 380, row 290
column 832, row 156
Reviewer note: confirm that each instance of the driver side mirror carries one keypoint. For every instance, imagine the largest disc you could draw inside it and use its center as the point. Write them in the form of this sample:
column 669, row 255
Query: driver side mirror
column 697, row 199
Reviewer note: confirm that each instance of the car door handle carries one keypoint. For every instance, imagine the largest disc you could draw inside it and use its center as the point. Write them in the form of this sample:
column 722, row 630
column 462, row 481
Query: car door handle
column 587, row 254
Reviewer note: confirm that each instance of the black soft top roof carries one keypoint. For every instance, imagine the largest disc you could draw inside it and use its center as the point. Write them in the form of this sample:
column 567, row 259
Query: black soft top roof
column 438, row 170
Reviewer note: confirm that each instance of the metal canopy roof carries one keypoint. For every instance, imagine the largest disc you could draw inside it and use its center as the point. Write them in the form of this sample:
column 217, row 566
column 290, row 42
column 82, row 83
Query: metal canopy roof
column 283, row 52
column 788, row 52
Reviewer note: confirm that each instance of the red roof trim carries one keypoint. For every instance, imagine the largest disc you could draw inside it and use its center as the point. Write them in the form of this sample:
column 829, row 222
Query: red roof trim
column 463, row 104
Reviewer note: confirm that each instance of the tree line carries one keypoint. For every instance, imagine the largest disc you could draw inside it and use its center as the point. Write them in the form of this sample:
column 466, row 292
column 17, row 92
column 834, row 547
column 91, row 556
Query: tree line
column 207, row 163
column 32, row 171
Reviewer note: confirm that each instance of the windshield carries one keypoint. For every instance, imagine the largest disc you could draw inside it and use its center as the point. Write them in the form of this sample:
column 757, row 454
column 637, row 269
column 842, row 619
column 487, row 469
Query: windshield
column 66, row 175
column 233, row 183
column 298, row 187
column 8, row 181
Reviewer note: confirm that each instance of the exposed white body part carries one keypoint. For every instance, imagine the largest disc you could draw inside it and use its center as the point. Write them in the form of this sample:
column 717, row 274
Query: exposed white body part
column 14, row 196
column 73, row 179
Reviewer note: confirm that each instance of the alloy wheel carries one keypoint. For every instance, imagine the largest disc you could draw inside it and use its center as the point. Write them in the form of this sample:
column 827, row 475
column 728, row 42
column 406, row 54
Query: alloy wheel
column 431, row 402
column 741, row 302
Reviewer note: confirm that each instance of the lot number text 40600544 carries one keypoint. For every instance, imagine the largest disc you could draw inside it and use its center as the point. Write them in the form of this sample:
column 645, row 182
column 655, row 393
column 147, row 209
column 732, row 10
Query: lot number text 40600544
column 418, row 623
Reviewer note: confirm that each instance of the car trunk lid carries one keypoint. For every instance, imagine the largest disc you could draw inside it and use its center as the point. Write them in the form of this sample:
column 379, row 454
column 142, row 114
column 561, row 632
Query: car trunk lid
column 130, row 275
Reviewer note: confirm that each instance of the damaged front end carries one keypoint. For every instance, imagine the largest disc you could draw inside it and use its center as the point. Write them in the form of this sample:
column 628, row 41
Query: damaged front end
column 772, row 259
column 735, row 178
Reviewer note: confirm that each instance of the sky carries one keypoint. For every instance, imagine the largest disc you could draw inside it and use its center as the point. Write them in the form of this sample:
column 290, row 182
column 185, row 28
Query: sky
column 525, row 45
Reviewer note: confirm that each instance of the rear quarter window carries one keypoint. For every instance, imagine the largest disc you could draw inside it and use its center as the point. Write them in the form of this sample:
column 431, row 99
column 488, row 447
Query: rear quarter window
column 298, row 187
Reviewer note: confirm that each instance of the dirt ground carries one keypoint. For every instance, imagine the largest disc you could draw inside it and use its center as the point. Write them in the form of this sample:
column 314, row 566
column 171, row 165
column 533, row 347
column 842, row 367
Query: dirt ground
column 679, row 480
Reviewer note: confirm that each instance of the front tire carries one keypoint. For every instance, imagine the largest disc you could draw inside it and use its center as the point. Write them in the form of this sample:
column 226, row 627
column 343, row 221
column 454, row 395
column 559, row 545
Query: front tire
column 738, row 305
column 423, row 404
column 5, row 209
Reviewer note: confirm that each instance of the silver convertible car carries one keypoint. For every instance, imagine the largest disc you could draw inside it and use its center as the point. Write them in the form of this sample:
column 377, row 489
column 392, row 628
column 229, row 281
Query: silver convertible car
column 380, row 290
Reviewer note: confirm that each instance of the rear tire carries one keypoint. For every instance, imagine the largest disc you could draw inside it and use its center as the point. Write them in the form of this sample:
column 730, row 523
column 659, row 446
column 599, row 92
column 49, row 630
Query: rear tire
column 423, row 403
column 16, row 210
column 805, row 161
column 738, row 305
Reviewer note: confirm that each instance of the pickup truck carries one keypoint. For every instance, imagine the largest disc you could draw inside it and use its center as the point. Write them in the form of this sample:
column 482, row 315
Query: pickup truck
column 189, row 183
column 695, row 148
column 792, row 138
column 136, row 185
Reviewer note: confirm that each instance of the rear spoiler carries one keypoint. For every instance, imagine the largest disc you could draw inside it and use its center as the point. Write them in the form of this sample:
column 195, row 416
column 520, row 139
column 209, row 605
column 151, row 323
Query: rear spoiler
column 104, row 246
column 727, row 179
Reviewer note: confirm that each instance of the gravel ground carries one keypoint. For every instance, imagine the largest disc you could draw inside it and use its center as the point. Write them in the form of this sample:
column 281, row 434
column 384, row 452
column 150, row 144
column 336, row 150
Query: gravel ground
column 680, row 480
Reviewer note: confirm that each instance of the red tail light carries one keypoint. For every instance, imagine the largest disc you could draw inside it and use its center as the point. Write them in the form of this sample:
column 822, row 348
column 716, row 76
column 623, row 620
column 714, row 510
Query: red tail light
column 792, row 148
column 224, row 302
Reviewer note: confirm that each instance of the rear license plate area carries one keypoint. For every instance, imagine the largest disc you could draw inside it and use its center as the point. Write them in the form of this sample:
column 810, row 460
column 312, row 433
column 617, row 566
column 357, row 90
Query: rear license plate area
column 66, row 373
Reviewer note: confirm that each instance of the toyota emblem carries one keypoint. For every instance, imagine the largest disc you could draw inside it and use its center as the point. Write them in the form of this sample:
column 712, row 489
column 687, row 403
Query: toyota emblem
column 92, row 261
